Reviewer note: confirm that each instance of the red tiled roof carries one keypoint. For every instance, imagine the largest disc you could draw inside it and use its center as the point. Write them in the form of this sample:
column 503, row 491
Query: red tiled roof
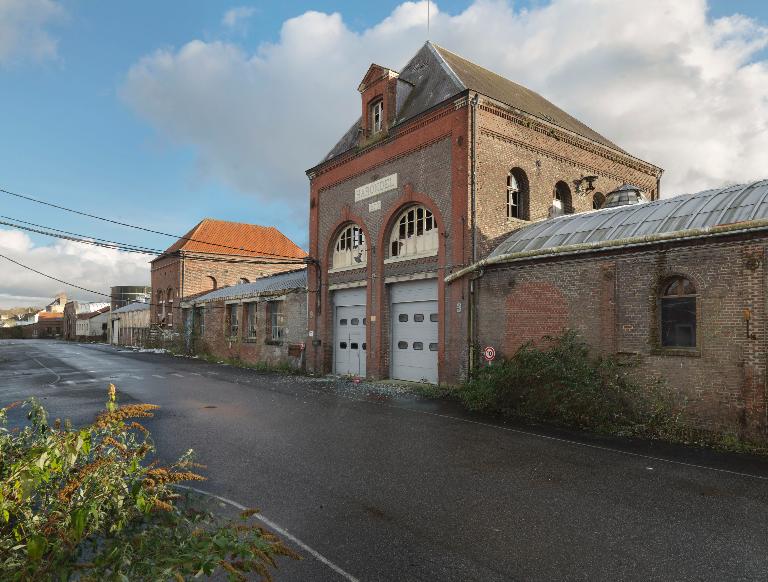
column 91, row 314
column 49, row 315
column 237, row 238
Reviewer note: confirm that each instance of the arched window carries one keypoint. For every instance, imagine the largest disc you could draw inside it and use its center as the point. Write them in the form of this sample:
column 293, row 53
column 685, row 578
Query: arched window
column 517, row 194
column 242, row 281
column 598, row 200
column 414, row 233
column 678, row 313
column 211, row 281
column 562, row 201
column 350, row 249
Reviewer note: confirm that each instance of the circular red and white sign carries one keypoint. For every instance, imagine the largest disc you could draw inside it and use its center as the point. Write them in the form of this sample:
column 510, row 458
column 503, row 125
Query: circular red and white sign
column 489, row 353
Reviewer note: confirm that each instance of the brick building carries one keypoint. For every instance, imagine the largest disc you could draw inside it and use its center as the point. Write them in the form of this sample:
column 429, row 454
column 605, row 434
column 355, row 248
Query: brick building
column 216, row 253
column 679, row 284
column 446, row 160
column 72, row 312
column 260, row 322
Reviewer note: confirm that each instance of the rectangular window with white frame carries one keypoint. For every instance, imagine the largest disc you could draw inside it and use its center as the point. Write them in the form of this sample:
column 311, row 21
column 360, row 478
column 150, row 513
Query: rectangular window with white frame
column 276, row 328
column 251, row 310
column 377, row 117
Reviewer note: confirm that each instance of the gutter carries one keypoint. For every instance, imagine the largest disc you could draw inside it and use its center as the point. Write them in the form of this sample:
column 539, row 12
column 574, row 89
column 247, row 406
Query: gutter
column 473, row 196
column 749, row 226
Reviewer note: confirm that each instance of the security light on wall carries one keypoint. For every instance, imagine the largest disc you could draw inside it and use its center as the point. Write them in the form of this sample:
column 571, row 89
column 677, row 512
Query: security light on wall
column 585, row 184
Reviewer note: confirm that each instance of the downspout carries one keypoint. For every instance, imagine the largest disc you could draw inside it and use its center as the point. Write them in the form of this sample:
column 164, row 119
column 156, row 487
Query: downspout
column 473, row 199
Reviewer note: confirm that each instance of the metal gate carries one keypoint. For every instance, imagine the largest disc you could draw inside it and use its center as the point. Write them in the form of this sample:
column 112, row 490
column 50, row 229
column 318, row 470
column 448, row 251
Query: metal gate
column 414, row 317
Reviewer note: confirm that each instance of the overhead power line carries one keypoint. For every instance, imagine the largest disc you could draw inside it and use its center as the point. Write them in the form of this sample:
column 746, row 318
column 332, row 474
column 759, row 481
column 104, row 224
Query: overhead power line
column 131, row 248
column 99, row 292
column 54, row 278
column 125, row 224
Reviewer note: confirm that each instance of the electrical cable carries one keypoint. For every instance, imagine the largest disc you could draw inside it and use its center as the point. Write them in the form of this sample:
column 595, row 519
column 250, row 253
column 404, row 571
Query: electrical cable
column 126, row 247
column 125, row 224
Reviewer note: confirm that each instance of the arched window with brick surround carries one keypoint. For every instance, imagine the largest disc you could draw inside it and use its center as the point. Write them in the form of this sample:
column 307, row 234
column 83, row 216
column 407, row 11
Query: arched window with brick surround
column 517, row 195
column 598, row 199
column 414, row 234
column 212, row 282
column 677, row 311
column 562, row 201
column 350, row 249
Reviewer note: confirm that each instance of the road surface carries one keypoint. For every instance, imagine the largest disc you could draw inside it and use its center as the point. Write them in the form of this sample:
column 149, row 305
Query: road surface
column 376, row 487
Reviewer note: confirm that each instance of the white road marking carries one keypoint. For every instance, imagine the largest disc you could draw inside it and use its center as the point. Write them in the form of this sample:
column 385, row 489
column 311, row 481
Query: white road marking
column 51, row 371
column 272, row 525
column 177, row 375
column 68, row 382
column 157, row 376
column 195, row 374
column 137, row 377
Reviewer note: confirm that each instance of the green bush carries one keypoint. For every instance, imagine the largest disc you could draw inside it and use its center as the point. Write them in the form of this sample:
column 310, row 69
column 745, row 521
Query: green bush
column 85, row 504
column 563, row 384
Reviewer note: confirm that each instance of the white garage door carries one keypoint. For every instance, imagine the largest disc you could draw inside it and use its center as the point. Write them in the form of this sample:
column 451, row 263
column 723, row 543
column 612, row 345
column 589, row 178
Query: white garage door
column 349, row 325
column 414, row 331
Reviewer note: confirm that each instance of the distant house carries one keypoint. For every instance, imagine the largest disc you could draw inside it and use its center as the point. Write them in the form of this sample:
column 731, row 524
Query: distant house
column 263, row 322
column 129, row 325
column 72, row 312
column 93, row 325
column 214, row 254
column 50, row 324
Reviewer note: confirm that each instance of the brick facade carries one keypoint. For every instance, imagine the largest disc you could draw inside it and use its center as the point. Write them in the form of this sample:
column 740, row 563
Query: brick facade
column 431, row 153
column 216, row 338
column 611, row 299
column 189, row 275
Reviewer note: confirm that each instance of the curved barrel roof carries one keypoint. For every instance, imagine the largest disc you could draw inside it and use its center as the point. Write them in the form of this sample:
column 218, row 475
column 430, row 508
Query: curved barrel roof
column 700, row 211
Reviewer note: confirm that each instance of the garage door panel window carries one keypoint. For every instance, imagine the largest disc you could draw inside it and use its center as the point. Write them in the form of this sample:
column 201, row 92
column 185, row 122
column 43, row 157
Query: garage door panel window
column 402, row 345
column 403, row 317
column 414, row 234
column 350, row 250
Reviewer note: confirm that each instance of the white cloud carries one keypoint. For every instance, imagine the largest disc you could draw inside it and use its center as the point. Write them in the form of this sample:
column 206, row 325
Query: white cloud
column 235, row 16
column 87, row 266
column 659, row 78
column 23, row 33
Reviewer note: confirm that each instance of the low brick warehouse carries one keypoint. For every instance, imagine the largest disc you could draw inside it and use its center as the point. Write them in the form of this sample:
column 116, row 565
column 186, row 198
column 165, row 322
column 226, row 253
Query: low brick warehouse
column 689, row 303
column 216, row 253
column 445, row 161
column 264, row 322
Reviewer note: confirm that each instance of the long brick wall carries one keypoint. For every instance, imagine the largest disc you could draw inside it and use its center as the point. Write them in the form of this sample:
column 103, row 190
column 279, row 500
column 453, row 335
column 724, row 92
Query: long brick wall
column 611, row 299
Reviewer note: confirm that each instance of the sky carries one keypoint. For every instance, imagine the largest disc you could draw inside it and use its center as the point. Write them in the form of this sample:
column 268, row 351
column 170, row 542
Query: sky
column 159, row 114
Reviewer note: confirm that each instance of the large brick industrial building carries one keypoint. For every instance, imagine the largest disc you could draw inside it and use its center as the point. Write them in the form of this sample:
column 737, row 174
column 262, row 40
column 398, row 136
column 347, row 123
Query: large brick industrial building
column 214, row 254
column 446, row 160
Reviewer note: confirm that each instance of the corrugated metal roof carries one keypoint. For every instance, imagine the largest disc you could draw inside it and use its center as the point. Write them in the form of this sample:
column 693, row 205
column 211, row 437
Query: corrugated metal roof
column 132, row 307
column 279, row 282
column 237, row 238
column 710, row 208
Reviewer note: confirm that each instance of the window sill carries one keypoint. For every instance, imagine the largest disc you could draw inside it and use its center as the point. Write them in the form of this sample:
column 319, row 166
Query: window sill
column 410, row 257
column 349, row 268
column 514, row 220
column 682, row 352
column 250, row 340
column 274, row 342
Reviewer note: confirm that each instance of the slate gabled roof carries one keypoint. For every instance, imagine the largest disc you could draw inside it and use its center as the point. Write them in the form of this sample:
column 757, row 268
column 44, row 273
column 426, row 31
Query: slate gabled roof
column 436, row 74
column 272, row 284
column 132, row 307
column 238, row 239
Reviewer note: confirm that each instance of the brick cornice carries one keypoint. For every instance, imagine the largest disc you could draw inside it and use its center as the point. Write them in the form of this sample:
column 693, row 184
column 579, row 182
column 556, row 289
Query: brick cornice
column 549, row 154
column 570, row 138
column 445, row 108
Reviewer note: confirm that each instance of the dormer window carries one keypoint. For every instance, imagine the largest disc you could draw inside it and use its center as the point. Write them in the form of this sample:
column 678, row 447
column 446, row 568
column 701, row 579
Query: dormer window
column 377, row 116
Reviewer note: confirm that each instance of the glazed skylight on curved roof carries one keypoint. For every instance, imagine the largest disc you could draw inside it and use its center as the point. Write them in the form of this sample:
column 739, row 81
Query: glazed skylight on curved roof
column 734, row 204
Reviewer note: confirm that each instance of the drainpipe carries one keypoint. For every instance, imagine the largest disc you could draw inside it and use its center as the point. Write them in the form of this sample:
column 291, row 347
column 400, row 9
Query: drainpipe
column 473, row 197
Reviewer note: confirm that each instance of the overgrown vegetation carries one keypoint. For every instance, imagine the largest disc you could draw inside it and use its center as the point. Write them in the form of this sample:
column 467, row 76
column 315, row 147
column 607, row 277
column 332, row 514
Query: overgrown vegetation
column 562, row 383
column 84, row 504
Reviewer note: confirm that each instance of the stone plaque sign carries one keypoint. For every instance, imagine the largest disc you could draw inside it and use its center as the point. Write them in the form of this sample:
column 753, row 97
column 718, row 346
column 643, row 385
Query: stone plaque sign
column 379, row 186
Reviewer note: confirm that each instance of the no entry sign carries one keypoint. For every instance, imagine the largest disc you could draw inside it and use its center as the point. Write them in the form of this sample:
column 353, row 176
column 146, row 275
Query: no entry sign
column 489, row 353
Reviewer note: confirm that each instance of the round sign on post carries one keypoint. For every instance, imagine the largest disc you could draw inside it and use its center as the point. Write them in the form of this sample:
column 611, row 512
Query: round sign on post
column 489, row 353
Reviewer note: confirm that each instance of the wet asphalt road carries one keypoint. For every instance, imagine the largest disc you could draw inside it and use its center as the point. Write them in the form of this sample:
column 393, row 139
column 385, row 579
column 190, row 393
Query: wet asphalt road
column 404, row 489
